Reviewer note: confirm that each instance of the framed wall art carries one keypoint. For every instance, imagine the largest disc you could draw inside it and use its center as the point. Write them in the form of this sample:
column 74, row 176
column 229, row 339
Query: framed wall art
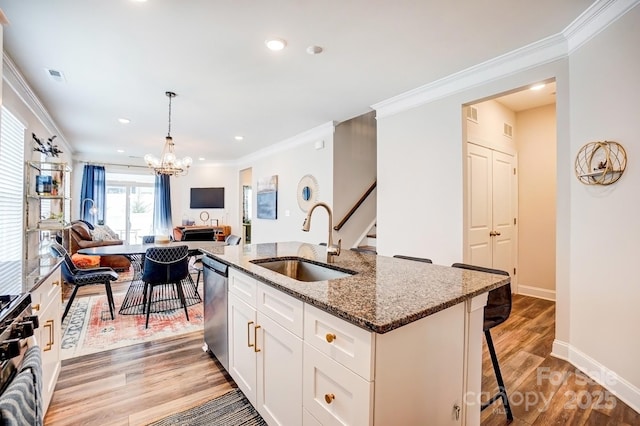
column 267, row 198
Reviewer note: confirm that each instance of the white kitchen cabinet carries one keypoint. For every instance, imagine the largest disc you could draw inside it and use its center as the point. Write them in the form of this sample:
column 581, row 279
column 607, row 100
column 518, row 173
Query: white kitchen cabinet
column 242, row 356
column 265, row 358
column 46, row 304
column 298, row 364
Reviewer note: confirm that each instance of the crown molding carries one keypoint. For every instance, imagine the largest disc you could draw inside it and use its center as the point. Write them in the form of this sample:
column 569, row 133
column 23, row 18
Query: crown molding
column 12, row 76
column 597, row 17
column 540, row 52
column 310, row 135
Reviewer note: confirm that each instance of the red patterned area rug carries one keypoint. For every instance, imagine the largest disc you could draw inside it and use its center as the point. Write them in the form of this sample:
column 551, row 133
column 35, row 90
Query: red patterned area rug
column 88, row 327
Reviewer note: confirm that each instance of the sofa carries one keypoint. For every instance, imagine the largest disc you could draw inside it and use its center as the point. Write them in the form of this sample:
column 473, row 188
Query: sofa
column 81, row 236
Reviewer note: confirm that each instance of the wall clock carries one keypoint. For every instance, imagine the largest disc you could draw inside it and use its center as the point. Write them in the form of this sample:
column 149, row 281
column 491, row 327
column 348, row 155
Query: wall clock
column 600, row 163
column 307, row 192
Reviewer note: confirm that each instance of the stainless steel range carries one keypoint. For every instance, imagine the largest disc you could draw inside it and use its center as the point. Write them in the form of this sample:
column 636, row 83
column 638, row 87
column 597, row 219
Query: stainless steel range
column 17, row 324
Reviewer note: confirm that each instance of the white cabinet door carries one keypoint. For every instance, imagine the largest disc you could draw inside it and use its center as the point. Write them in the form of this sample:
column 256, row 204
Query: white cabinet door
column 242, row 355
column 279, row 373
column 46, row 304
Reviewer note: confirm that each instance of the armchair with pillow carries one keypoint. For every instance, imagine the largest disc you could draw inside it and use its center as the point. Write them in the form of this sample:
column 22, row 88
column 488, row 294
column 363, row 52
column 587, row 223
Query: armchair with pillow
column 81, row 236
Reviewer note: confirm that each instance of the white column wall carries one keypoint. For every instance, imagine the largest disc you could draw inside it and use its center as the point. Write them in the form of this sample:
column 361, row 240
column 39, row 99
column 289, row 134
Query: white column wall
column 604, row 285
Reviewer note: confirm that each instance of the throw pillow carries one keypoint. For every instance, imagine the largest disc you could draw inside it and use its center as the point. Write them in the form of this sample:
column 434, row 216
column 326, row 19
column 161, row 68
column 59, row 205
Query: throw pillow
column 103, row 233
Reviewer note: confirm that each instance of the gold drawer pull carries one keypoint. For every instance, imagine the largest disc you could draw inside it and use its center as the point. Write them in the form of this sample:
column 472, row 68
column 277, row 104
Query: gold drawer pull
column 330, row 337
column 55, row 283
column 249, row 344
column 36, row 307
column 255, row 338
column 329, row 397
column 49, row 345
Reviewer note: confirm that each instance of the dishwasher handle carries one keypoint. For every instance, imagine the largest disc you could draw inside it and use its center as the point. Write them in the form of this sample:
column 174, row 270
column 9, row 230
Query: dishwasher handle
column 215, row 266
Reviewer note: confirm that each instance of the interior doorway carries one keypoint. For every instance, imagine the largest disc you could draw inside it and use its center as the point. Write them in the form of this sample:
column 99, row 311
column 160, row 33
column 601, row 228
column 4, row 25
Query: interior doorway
column 246, row 208
column 519, row 125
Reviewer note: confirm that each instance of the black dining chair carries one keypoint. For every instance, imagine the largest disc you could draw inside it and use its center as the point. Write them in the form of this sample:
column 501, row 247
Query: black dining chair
column 165, row 266
column 496, row 312
column 232, row 240
column 417, row 259
column 82, row 277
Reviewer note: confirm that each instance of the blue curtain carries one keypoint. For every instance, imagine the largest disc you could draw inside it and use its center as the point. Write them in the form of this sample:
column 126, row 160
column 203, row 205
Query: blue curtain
column 162, row 222
column 93, row 193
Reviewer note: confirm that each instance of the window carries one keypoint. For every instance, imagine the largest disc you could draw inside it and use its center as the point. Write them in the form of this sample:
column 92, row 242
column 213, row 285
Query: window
column 11, row 197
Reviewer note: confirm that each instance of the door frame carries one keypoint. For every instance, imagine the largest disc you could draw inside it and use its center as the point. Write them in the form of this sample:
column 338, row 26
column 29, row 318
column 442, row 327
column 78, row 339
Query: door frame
column 465, row 192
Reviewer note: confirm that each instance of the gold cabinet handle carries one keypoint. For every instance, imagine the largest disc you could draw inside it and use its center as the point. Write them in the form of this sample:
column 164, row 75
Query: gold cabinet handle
column 494, row 233
column 330, row 337
column 329, row 397
column 255, row 338
column 249, row 344
column 36, row 307
column 49, row 345
column 55, row 283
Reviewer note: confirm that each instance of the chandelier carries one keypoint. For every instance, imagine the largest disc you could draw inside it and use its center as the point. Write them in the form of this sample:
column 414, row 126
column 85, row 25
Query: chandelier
column 168, row 164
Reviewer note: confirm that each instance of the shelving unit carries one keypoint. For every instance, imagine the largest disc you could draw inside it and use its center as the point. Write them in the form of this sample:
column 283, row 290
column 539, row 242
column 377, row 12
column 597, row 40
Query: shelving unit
column 47, row 206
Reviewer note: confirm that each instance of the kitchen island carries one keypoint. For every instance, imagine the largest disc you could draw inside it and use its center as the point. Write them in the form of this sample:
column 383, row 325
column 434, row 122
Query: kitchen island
column 394, row 341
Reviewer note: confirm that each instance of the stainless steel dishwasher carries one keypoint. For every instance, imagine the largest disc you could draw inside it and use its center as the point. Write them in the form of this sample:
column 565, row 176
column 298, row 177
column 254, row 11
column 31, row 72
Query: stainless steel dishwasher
column 216, row 338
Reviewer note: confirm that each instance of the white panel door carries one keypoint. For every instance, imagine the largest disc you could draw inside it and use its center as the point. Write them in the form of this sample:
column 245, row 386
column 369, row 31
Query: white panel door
column 503, row 211
column 491, row 209
column 279, row 373
column 479, row 250
column 242, row 355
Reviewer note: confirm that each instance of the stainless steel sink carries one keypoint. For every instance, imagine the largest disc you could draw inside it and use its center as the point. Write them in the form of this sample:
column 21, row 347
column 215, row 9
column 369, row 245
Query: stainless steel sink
column 303, row 270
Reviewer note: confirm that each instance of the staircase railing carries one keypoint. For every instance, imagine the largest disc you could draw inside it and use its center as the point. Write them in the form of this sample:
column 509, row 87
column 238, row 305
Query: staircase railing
column 355, row 206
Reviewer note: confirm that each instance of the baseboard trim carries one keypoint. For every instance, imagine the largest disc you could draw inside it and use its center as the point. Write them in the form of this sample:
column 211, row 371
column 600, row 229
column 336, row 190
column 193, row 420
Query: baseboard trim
column 618, row 386
column 540, row 293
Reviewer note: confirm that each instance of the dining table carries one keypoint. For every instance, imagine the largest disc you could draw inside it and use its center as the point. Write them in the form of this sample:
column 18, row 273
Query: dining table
column 134, row 300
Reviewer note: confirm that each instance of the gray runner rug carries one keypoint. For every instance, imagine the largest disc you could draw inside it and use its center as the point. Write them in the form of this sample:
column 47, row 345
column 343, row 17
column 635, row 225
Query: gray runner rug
column 232, row 409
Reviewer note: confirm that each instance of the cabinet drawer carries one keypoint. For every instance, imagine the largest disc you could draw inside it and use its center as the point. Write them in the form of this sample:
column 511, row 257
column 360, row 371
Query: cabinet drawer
column 344, row 342
column 333, row 394
column 243, row 286
column 285, row 310
column 48, row 291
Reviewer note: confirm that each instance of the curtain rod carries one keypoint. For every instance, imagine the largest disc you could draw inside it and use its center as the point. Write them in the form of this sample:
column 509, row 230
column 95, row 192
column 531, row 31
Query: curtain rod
column 96, row 163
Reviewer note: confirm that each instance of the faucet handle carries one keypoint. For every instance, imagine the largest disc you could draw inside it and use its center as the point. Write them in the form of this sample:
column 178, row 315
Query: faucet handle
column 338, row 247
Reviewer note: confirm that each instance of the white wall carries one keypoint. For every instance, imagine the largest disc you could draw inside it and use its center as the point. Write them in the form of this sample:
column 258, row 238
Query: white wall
column 604, row 284
column 536, row 141
column 298, row 157
column 354, row 170
column 202, row 177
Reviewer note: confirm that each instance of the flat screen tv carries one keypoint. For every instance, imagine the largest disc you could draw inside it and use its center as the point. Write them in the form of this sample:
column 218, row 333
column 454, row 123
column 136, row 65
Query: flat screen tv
column 207, row 198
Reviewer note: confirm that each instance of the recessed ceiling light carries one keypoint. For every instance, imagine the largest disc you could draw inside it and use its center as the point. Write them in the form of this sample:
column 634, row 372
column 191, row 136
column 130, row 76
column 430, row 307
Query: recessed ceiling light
column 239, row 138
column 121, row 150
column 275, row 43
column 124, row 120
column 538, row 86
column 314, row 50
column 201, row 158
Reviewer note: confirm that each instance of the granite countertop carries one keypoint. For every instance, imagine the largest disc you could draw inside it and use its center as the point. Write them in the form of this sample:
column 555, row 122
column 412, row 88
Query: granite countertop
column 384, row 294
column 17, row 280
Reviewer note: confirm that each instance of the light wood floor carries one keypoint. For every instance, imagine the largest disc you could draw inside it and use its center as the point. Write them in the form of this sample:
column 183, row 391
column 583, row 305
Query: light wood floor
column 138, row 384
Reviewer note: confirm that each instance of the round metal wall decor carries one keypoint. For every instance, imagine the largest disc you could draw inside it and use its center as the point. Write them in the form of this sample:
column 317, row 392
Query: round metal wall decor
column 307, row 192
column 600, row 163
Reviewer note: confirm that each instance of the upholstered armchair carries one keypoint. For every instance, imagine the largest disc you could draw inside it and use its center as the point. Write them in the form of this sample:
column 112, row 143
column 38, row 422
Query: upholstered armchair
column 80, row 236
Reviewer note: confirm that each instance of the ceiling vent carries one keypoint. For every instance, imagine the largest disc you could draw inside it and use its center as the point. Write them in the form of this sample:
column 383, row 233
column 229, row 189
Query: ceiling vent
column 508, row 130
column 56, row 75
column 472, row 114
